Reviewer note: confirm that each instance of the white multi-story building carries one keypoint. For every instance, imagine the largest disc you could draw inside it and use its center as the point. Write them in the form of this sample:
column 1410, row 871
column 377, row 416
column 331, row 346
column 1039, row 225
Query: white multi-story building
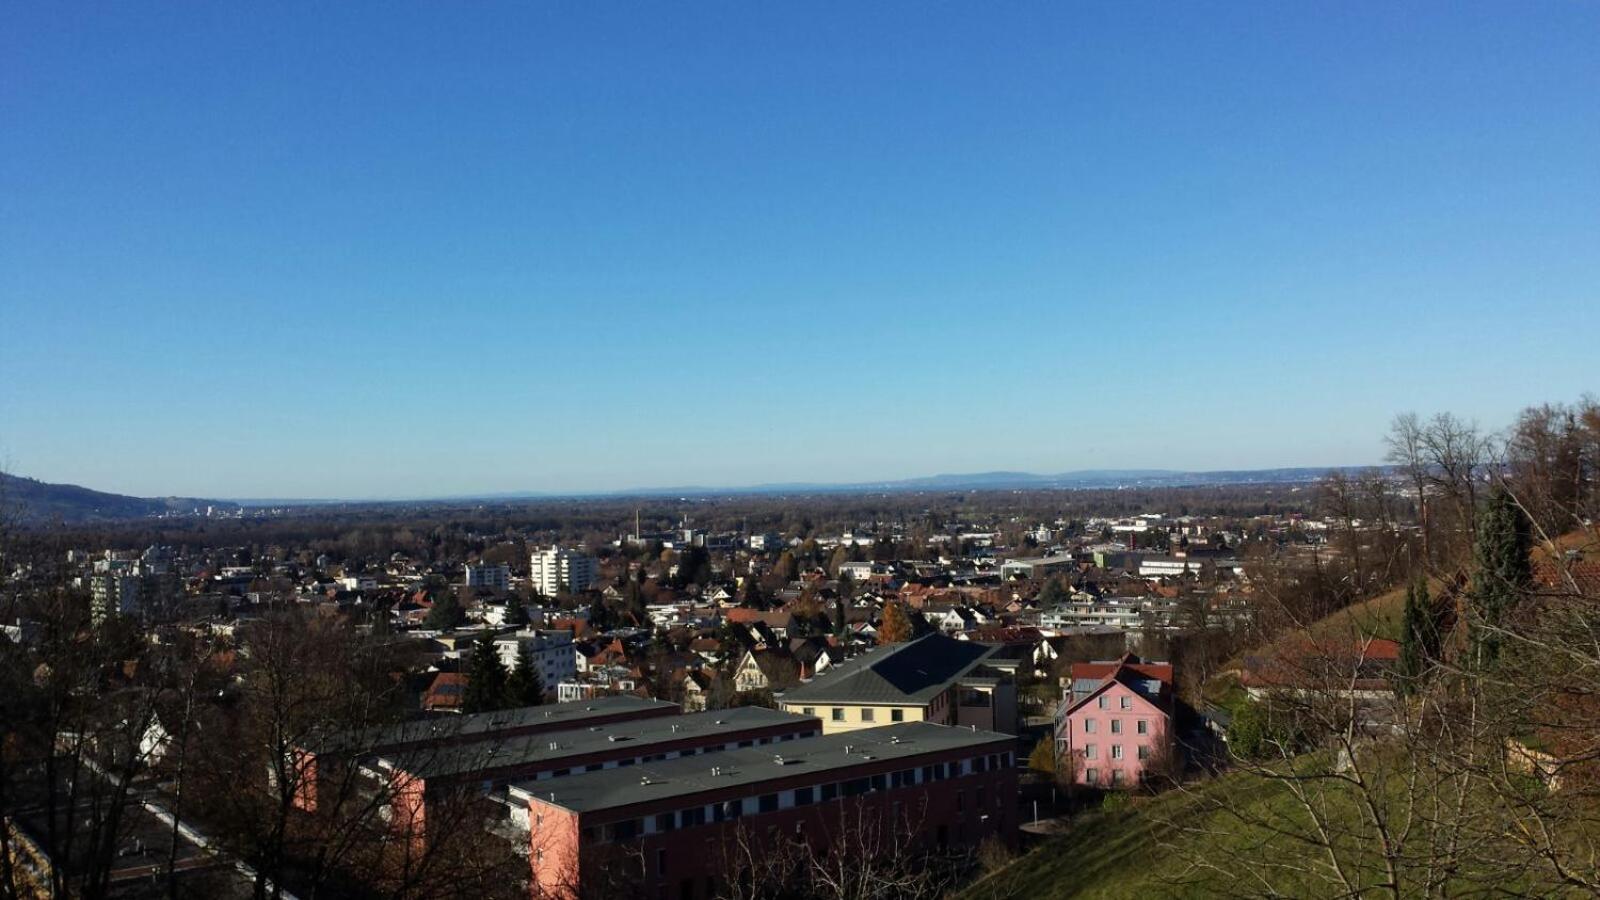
column 552, row 653
column 554, row 569
column 113, row 594
column 495, row 577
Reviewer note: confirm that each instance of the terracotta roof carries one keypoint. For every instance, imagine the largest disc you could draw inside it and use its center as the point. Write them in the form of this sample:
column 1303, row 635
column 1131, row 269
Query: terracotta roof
column 447, row 691
column 1099, row 671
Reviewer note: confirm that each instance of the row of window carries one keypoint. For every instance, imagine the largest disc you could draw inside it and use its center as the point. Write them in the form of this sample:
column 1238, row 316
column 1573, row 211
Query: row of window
column 731, row 810
column 868, row 713
column 1105, row 702
column 1091, row 725
column 658, row 757
column 1090, row 751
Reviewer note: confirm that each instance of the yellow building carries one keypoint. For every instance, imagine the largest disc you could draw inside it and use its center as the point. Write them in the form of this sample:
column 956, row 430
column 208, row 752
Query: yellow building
column 932, row 679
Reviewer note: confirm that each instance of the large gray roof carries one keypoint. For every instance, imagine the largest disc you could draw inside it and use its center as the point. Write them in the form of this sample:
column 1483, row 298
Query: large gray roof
column 691, row 775
column 912, row 673
column 440, row 728
column 493, row 753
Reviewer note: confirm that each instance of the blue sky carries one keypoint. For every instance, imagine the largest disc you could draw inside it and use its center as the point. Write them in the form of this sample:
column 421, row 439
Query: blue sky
column 365, row 250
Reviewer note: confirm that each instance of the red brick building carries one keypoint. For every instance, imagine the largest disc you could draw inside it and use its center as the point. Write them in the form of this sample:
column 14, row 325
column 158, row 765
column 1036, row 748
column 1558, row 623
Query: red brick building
column 421, row 778
column 674, row 828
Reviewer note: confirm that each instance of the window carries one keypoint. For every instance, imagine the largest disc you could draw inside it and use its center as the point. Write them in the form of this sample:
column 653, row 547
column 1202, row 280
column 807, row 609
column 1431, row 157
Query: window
column 1116, row 776
column 1116, row 726
column 1144, row 727
column 1144, row 752
column 1091, row 776
column 1104, row 702
column 666, row 822
column 808, row 710
column 961, row 800
column 897, row 715
column 661, row 862
column 802, row 796
column 880, row 782
column 866, row 713
column 1116, row 751
column 1127, row 703
column 732, row 809
column 838, row 714
column 1089, row 751
column 768, row 803
column 1089, row 726
column 829, row 791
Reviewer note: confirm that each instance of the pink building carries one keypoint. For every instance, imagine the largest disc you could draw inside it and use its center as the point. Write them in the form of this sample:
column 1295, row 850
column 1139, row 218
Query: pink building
column 1115, row 720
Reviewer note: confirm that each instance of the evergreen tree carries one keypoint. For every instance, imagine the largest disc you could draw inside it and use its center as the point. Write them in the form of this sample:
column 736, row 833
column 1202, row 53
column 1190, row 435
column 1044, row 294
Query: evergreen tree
column 1054, row 593
column 840, row 623
column 1419, row 643
column 1503, row 571
column 486, row 679
column 447, row 612
column 516, row 613
column 524, row 687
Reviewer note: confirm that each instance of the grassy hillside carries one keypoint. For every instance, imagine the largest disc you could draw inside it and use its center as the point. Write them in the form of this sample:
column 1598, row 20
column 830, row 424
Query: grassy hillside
column 1139, row 851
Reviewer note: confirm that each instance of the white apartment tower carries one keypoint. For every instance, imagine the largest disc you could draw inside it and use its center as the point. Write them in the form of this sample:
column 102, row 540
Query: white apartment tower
column 555, row 568
column 494, row 577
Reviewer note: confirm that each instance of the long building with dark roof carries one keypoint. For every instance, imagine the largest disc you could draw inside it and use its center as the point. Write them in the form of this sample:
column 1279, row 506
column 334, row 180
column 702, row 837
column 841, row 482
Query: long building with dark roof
column 680, row 827
column 418, row 779
column 327, row 763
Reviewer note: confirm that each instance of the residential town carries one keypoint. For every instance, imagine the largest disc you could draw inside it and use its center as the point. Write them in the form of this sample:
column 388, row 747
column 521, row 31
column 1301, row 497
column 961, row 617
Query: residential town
column 949, row 672
column 809, row 451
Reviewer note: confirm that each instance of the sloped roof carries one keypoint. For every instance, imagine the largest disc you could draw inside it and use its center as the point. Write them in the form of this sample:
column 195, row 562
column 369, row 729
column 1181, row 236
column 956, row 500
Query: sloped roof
column 911, row 673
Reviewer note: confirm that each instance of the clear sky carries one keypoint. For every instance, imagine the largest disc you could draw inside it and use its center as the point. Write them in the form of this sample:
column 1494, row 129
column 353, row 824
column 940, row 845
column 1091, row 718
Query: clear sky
column 395, row 249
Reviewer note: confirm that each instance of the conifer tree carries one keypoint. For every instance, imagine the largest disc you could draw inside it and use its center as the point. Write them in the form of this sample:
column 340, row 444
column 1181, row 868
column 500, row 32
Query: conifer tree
column 486, row 679
column 1419, row 643
column 446, row 613
column 524, row 687
column 516, row 613
column 1503, row 572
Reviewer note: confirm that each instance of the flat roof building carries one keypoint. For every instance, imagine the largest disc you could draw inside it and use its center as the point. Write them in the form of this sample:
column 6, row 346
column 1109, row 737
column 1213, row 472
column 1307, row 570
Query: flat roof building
column 419, row 777
column 684, row 824
column 321, row 765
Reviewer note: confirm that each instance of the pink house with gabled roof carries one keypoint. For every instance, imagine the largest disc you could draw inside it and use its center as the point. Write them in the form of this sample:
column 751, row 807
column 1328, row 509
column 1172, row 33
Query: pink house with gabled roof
column 1115, row 720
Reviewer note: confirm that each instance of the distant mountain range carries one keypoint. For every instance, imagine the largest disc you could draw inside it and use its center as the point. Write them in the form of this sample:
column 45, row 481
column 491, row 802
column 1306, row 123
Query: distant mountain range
column 39, row 501
column 973, row 481
column 994, row 481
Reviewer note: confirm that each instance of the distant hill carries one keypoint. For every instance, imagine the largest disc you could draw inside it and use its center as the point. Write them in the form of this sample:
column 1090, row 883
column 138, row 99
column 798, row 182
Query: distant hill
column 992, row 481
column 39, row 501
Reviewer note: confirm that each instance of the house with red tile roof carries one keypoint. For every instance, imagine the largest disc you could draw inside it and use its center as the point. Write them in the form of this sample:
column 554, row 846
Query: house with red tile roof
column 1115, row 722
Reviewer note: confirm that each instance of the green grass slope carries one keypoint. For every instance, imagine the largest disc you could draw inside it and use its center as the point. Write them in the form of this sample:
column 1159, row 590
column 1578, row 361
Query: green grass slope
column 1141, row 850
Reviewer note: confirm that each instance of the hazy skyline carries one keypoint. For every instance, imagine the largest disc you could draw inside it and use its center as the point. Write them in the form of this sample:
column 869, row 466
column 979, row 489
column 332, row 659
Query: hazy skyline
column 371, row 250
